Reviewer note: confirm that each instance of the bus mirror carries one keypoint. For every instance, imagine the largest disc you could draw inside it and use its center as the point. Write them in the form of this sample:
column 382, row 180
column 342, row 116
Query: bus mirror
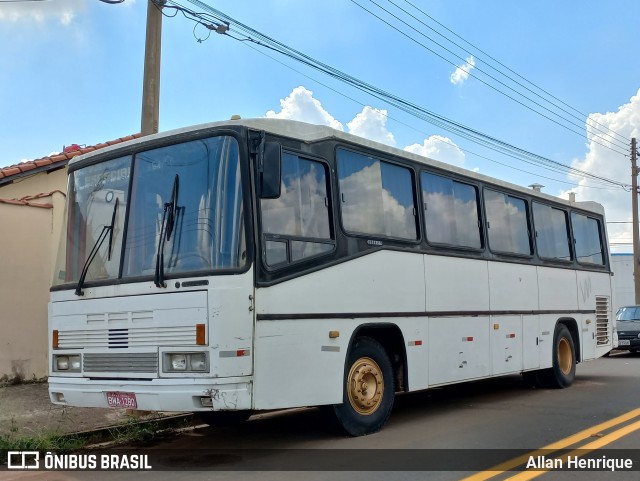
column 271, row 171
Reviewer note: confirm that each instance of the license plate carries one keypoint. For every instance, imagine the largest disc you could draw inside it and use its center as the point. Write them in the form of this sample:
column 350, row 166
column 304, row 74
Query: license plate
column 126, row 400
column 624, row 342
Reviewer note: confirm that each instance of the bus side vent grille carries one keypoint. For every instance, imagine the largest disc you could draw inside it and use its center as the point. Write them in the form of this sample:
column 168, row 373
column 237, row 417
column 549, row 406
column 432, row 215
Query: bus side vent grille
column 602, row 320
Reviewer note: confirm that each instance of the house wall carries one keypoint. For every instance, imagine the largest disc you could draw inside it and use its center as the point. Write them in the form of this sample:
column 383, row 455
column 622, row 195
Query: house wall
column 29, row 239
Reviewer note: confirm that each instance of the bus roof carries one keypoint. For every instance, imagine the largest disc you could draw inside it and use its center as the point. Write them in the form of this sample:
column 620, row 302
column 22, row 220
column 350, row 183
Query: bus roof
column 313, row 133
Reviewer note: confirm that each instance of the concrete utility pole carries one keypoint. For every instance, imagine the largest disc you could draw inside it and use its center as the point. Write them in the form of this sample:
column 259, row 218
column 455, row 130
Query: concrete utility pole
column 634, row 208
column 151, row 81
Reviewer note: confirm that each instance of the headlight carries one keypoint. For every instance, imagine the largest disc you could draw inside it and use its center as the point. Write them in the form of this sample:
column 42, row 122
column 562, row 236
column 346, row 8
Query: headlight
column 185, row 362
column 69, row 363
column 198, row 361
column 178, row 362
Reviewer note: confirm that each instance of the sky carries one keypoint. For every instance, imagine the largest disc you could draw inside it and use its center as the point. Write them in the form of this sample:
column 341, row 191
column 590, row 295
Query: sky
column 71, row 72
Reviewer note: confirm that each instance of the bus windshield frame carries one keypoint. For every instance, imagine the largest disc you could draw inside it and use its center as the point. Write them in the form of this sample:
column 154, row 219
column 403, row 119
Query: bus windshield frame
column 209, row 215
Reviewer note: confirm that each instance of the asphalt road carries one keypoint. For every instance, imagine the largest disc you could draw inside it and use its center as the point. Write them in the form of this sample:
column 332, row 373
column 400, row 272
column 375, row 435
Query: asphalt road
column 461, row 430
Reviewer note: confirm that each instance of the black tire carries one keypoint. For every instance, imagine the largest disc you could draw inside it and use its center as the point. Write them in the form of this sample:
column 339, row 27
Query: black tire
column 368, row 389
column 563, row 372
column 223, row 418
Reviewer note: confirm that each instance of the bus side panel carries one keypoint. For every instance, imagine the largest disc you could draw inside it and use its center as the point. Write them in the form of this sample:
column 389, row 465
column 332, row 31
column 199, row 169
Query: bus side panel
column 513, row 287
column 506, row 344
column 459, row 349
column 231, row 324
column 383, row 281
column 592, row 287
column 296, row 361
column 297, row 364
column 558, row 289
column 456, row 284
column 530, row 342
column 547, row 326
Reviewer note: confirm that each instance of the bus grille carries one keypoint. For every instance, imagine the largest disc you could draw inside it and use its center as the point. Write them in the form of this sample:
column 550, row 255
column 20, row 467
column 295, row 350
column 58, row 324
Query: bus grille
column 120, row 362
column 602, row 320
column 131, row 337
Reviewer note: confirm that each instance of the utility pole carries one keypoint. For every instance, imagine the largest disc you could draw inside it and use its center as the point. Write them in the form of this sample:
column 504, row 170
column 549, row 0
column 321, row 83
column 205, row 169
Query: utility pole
column 151, row 80
column 634, row 208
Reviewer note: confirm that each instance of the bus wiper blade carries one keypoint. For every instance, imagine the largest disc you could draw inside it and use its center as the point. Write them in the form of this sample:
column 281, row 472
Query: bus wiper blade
column 113, row 222
column 166, row 228
column 106, row 229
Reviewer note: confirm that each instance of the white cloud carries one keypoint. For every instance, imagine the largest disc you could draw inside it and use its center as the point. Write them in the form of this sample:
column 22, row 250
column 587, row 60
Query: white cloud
column 300, row 105
column 612, row 165
column 461, row 73
column 372, row 124
column 62, row 11
column 439, row 148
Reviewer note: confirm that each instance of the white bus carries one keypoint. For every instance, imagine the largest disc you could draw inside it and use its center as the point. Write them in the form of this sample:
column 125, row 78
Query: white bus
column 262, row 264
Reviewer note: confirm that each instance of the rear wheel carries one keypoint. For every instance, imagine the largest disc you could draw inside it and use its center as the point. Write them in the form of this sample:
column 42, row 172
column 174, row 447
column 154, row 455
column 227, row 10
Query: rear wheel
column 563, row 372
column 368, row 389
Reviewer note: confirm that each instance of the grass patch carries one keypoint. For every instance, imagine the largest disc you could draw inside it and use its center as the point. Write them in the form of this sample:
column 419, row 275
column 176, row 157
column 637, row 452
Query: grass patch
column 14, row 440
column 136, row 430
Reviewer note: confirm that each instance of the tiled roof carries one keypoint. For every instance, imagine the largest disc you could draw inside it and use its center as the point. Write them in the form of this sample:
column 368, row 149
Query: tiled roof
column 28, row 200
column 52, row 162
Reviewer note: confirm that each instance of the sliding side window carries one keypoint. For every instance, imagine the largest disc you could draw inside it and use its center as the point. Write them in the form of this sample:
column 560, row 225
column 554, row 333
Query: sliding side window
column 587, row 239
column 297, row 225
column 552, row 232
column 450, row 212
column 377, row 197
column 507, row 223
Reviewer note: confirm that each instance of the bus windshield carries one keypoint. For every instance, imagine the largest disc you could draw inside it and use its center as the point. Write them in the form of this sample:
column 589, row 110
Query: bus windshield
column 202, row 232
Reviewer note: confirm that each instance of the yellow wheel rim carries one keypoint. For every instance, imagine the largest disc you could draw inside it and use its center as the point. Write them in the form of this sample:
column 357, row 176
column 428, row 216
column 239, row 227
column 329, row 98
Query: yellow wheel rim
column 365, row 386
column 565, row 358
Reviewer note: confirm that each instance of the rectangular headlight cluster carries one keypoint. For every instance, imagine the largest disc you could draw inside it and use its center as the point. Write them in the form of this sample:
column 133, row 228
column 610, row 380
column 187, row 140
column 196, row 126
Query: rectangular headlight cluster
column 185, row 362
column 67, row 362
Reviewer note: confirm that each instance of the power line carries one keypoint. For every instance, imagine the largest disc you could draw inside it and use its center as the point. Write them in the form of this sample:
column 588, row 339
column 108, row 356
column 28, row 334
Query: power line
column 608, row 129
column 473, row 135
column 466, row 151
column 488, row 84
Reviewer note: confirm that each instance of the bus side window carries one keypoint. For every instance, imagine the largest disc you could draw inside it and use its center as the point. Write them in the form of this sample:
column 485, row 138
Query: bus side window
column 450, row 212
column 297, row 224
column 587, row 239
column 508, row 223
column 376, row 197
column 552, row 232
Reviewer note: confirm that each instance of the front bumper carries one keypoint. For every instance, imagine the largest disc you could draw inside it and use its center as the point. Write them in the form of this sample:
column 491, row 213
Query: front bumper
column 627, row 343
column 156, row 395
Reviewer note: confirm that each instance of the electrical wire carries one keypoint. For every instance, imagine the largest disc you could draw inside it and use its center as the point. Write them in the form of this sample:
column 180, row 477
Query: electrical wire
column 465, row 150
column 488, row 84
column 251, row 35
column 584, row 115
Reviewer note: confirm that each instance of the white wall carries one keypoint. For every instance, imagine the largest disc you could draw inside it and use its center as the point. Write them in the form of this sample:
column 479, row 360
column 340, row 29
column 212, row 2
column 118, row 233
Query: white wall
column 623, row 290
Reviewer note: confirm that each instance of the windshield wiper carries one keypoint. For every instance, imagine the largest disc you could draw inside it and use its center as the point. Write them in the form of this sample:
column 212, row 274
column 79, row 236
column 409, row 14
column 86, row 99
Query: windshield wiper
column 166, row 228
column 106, row 230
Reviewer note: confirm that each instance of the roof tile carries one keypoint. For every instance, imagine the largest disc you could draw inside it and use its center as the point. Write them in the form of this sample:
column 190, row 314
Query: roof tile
column 43, row 161
column 7, row 171
column 25, row 166
column 58, row 158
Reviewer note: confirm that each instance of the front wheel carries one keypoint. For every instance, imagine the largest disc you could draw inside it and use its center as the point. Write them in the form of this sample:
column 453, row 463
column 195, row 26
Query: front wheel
column 563, row 372
column 368, row 389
